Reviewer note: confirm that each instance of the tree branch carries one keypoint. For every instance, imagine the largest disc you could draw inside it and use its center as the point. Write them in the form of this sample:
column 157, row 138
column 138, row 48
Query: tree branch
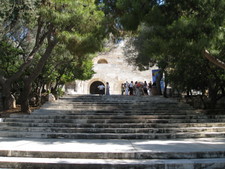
column 43, row 60
column 213, row 59
column 38, row 45
column 20, row 71
column 2, row 80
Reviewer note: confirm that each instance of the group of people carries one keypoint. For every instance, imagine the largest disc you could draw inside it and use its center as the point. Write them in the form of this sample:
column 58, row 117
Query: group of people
column 137, row 88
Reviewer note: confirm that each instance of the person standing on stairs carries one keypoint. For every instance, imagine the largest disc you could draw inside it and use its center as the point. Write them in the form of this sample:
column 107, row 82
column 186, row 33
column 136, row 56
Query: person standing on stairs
column 107, row 88
column 101, row 89
column 131, row 85
column 126, row 88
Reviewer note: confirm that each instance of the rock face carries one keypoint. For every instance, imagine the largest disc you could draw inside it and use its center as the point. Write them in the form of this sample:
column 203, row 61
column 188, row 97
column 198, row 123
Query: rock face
column 110, row 67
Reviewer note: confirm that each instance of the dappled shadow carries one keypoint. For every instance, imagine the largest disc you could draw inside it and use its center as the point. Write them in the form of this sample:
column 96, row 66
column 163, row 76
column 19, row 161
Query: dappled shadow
column 83, row 146
column 119, row 117
column 180, row 145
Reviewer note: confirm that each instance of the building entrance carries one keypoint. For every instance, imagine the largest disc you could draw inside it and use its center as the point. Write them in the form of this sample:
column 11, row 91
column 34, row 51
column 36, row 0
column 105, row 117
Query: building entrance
column 94, row 87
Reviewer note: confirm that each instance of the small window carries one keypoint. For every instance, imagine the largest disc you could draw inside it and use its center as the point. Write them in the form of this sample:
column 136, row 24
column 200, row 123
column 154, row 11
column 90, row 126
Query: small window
column 102, row 61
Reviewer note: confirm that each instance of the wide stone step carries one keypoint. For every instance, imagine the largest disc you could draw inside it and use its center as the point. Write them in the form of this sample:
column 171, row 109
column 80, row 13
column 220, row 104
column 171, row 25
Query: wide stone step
column 111, row 135
column 110, row 113
column 133, row 100
column 114, row 155
column 112, row 130
column 114, row 125
column 59, row 163
column 119, row 99
column 117, row 116
column 121, row 103
column 116, row 106
column 28, row 120
column 115, row 111
column 110, row 154
column 71, row 111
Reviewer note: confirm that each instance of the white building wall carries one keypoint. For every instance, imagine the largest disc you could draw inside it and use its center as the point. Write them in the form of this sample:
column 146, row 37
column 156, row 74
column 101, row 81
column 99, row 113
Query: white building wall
column 116, row 72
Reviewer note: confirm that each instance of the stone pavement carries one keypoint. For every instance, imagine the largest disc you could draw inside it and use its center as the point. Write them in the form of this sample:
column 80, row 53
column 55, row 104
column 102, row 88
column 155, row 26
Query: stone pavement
column 95, row 152
column 189, row 146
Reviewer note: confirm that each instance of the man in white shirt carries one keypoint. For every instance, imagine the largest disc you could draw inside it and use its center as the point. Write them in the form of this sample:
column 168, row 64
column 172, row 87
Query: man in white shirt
column 131, row 89
column 101, row 89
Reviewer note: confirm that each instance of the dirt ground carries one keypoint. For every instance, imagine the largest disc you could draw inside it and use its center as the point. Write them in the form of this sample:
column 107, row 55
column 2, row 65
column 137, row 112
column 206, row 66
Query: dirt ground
column 14, row 111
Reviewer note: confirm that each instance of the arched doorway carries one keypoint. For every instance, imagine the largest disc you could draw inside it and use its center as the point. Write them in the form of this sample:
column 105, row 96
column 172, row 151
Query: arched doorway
column 102, row 61
column 94, row 87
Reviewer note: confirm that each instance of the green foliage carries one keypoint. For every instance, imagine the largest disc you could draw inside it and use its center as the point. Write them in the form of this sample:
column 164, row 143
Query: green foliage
column 60, row 92
column 15, row 17
column 63, row 67
column 76, row 24
column 35, row 28
column 10, row 59
column 84, row 71
column 133, row 12
column 173, row 35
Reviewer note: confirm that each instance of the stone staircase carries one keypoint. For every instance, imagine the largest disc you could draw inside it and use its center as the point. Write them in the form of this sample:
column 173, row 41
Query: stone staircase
column 111, row 119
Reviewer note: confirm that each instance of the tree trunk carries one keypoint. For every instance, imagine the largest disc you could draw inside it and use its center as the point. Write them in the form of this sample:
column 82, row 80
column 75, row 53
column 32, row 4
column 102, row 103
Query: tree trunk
column 25, row 96
column 213, row 89
column 165, row 87
column 39, row 91
column 38, row 69
column 213, row 99
column 158, row 82
column 6, row 96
